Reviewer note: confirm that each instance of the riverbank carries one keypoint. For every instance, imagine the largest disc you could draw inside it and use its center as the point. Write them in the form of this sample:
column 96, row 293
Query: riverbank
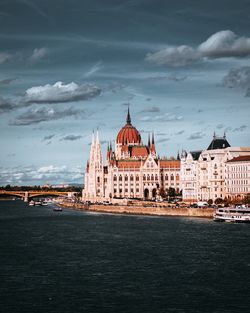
column 141, row 210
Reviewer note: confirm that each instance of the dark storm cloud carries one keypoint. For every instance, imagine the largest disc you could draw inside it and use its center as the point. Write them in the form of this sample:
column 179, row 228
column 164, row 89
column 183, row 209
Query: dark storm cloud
column 71, row 137
column 44, row 114
column 238, row 78
column 7, row 81
column 196, row 135
column 7, row 105
column 220, row 45
column 61, row 92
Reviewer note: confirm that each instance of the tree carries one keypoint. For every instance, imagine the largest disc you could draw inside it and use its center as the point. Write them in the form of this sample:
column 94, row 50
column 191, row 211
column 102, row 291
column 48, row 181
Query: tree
column 218, row 201
column 246, row 199
column 162, row 192
column 171, row 192
column 210, row 202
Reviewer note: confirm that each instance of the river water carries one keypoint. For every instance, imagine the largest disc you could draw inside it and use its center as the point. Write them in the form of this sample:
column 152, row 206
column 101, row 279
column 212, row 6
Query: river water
column 73, row 261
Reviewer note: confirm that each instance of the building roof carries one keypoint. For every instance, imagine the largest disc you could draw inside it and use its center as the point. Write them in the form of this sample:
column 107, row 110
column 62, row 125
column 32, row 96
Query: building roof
column 196, row 154
column 128, row 134
column 242, row 158
column 218, row 143
column 128, row 164
column 170, row 163
column 139, row 151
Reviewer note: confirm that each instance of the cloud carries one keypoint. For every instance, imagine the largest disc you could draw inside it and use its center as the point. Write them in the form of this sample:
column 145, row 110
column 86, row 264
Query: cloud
column 152, row 109
column 219, row 45
column 71, row 137
column 40, row 175
column 171, row 77
column 180, row 132
column 162, row 140
column 196, row 135
column 38, row 115
column 240, row 129
column 48, row 137
column 5, row 57
column 6, row 81
column 94, row 69
column 38, row 54
column 219, row 126
column 6, row 105
column 61, row 92
column 238, row 78
column 167, row 117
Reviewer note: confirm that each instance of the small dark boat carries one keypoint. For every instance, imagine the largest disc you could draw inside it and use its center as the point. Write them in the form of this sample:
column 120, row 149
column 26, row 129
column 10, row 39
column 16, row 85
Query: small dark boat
column 57, row 209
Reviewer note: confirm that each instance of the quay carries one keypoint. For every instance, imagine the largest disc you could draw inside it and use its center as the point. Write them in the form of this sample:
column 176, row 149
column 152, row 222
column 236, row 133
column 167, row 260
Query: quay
column 142, row 210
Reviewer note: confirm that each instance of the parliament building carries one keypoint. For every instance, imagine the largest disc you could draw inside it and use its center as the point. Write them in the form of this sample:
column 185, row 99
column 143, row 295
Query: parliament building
column 131, row 170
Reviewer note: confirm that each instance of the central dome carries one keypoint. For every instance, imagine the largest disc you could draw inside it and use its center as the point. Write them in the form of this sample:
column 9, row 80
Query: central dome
column 128, row 134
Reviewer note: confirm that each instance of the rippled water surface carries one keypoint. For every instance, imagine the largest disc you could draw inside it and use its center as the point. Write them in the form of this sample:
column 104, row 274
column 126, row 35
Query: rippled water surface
column 74, row 262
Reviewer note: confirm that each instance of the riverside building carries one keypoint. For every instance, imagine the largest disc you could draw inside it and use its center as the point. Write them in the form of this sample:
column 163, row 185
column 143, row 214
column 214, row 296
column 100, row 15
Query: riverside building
column 131, row 170
column 204, row 174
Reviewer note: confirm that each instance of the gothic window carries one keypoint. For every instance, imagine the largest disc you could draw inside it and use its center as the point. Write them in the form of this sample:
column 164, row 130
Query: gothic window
column 152, row 177
column 172, row 177
column 166, row 177
column 148, row 177
column 156, row 177
column 115, row 178
column 144, row 177
column 126, row 178
column 120, row 178
column 131, row 177
column 137, row 178
column 98, row 179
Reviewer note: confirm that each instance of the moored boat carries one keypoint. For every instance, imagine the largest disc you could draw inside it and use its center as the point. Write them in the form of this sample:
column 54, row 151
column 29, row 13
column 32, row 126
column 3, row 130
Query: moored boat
column 31, row 203
column 237, row 214
column 57, row 209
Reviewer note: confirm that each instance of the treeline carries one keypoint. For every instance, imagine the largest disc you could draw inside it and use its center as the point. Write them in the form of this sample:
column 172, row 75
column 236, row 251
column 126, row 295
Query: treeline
column 40, row 188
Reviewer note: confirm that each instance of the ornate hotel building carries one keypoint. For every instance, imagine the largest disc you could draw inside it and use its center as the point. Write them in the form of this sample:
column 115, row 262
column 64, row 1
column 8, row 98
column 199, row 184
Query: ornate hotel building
column 238, row 177
column 205, row 174
column 131, row 170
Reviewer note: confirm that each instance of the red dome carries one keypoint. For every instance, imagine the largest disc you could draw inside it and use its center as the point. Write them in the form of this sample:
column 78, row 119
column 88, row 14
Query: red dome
column 128, row 135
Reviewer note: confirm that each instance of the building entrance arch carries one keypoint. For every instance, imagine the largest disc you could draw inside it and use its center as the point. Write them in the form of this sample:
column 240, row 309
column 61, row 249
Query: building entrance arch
column 146, row 193
column 154, row 193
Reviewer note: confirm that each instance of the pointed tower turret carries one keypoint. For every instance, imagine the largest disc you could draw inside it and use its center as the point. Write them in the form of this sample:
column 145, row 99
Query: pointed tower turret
column 128, row 117
column 178, row 156
column 149, row 143
column 152, row 148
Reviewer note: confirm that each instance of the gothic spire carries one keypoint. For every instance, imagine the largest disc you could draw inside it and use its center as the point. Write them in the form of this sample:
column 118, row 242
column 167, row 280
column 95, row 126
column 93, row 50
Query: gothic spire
column 149, row 144
column 128, row 117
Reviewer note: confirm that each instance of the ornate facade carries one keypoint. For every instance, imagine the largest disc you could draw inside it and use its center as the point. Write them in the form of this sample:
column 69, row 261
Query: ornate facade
column 204, row 173
column 131, row 170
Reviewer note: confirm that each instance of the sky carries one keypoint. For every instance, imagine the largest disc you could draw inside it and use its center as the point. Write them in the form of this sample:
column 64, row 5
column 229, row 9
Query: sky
column 70, row 67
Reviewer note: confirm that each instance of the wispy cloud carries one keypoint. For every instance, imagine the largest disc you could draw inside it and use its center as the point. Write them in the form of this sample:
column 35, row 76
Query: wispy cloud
column 167, row 117
column 7, row 81
column 153, row 109
column 71, row 137
column 94, row 69
column 238, row 78
column 48, row 137
column 44, row 114
column 5, row 57
column 7, row 105
column 196, row 135
column 38, row 54
column 222, row 44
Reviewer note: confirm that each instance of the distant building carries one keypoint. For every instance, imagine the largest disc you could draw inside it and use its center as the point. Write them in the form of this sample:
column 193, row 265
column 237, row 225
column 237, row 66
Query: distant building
column 131, row 170
column 238, row 177
column 203, row 173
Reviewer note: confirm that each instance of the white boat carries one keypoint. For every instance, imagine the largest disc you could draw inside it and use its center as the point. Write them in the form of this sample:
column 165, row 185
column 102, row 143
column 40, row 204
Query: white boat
column 31, row 203
column 57, row 209
column 237, row 214
column 37, row 203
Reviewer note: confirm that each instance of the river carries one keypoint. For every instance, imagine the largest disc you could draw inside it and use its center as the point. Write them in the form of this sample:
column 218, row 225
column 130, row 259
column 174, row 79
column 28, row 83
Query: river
column 73, row 261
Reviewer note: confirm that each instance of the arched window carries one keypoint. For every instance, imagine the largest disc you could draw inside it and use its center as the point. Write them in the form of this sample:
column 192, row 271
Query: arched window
column 172, row 177
column 137, row 178
column 131, row 177
column 144, row 177
column 120, row 178
column 126, row 177
column 115, row 178
column 148, row 177
column 152, row 177
column 166, row 177
column 177, row 177
column 98, row 179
